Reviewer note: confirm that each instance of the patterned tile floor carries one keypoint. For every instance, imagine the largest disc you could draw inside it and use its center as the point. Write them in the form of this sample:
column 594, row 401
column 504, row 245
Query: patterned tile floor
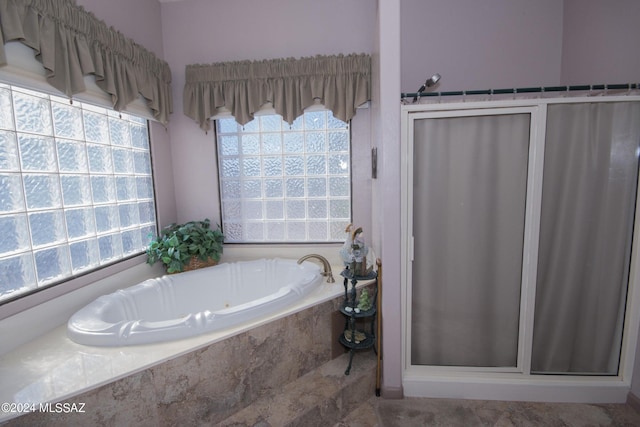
column 418, row 412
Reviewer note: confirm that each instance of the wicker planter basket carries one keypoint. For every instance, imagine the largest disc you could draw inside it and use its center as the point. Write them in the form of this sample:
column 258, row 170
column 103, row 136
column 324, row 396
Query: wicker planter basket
column 196, row 263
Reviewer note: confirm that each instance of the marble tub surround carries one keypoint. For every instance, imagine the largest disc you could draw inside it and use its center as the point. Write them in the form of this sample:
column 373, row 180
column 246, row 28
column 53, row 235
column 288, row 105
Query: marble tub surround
column 209, row 384
column 320, row 398
column 52, row 368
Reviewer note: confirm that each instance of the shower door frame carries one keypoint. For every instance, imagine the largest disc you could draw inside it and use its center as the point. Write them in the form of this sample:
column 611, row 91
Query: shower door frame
column 511, row 383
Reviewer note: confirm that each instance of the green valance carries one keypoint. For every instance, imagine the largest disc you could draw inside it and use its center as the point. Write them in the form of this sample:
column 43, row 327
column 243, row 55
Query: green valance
column 341, row 83
column 72, row 43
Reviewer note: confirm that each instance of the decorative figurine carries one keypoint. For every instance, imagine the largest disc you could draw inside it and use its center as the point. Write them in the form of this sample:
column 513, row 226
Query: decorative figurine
column 354, row 251
column 358, row 253
column 345, row 252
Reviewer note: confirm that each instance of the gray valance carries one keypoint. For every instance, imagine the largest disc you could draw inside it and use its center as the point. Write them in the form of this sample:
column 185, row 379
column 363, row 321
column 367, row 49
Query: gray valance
column 341, row 83
column 72, row 43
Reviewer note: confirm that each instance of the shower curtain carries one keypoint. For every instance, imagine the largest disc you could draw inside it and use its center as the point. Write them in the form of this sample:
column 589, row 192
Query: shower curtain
column 470, row 180
column 588, row 202
column 469, row 197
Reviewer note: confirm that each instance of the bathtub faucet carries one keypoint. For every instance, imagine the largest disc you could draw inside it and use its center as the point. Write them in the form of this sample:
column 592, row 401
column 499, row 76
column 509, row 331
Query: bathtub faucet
column 327, row 267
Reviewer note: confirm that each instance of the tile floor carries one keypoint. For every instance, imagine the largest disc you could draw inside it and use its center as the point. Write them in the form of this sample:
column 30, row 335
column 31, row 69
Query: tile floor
column 418, row 412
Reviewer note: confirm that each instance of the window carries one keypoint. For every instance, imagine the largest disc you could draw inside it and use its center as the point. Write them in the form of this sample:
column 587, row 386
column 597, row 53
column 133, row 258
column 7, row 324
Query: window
column 285, row 183
column 76, row 189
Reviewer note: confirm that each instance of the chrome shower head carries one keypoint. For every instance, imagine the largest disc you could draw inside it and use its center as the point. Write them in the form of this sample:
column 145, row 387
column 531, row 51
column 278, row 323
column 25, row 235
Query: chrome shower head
column 431, row 81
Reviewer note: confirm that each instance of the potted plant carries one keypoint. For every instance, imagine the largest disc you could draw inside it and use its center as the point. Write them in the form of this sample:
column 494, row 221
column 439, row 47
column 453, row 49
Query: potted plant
column 183, row 247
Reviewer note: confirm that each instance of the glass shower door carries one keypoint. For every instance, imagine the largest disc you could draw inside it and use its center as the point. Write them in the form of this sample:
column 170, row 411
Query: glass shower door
column 468, row 224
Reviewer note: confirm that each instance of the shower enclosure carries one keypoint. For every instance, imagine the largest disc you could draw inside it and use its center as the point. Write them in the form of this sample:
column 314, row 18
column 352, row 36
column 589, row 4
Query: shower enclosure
column 518, row 219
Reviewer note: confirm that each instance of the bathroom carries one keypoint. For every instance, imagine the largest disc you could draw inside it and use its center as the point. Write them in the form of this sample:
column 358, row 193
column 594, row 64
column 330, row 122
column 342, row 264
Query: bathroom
column 496, row 44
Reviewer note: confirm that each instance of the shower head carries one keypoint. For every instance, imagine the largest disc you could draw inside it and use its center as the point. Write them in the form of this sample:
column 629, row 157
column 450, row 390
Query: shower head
column 431, row 81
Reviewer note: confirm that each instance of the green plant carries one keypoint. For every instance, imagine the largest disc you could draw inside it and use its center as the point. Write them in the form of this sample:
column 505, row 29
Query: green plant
column 177, row 243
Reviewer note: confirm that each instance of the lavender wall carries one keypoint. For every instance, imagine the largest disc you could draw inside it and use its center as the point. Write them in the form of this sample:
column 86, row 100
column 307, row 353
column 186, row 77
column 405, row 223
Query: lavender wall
column 481, row 45
column 136, row 19
column 386, row 125
column 600, row 42
column 205, row 31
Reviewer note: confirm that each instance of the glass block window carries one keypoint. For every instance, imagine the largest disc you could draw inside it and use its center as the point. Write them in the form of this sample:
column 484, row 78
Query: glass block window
column 285, row 183
column 76, row 190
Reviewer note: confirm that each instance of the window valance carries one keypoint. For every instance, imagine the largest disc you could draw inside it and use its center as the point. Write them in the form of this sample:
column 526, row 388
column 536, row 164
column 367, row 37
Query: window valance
column 72, row 43
column 341, row 83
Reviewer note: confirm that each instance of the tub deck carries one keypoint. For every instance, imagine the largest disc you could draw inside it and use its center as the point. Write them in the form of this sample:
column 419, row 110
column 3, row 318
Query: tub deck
column 52, row 367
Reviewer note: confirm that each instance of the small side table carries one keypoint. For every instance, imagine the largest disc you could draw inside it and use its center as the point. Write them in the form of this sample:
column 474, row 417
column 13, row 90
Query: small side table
column 354, row 338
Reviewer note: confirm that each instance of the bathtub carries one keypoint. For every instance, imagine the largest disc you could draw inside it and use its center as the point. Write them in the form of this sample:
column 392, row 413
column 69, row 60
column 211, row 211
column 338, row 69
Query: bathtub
column 182, row 305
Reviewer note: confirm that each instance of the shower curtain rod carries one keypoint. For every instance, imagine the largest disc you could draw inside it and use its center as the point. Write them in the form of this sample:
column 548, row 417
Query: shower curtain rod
column 514, row 91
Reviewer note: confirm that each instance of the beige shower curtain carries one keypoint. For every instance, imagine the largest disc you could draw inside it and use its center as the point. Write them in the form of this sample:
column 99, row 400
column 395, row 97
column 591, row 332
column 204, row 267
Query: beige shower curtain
column 588, row 204
column 470, row 181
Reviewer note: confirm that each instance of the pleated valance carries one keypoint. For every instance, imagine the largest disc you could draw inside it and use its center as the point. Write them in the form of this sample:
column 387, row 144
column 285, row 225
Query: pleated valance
column 72, row 43
column 341, row 83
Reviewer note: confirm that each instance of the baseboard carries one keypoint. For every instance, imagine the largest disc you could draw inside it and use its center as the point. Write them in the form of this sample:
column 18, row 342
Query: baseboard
column 529, row 390
column 633, row 401
column 392, row 392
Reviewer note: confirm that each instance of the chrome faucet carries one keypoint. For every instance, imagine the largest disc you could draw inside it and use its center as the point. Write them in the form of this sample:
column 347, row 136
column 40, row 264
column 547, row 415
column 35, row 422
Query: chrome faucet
column 327, row 267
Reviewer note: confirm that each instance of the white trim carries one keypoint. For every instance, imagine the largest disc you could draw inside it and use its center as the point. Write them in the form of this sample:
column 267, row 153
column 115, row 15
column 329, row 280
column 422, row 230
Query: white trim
column 632, row 314
column 505, row 384
column 532, row 231
column 406, row 239
column 510, row 387
column 532, row 218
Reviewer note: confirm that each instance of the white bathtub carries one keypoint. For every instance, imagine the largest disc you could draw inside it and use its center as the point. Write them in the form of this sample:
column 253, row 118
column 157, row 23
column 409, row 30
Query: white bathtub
column 183, row 305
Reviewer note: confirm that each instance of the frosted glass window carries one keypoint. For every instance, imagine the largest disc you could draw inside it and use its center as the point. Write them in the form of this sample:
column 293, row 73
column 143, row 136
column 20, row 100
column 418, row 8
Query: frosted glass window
column 84, row 255
column 76, row 189
column 37, row 153
column 72, row 156
column 11, row 196
column 103, row 188
column 96, row 127
column 285, row 183
column 47, row 227
column 6, row 110
column 140, row 136
column 120, row 133
column 32, row 112
column 15, row 233
column 67, row 121
column 9, row 160
column 42, row 191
